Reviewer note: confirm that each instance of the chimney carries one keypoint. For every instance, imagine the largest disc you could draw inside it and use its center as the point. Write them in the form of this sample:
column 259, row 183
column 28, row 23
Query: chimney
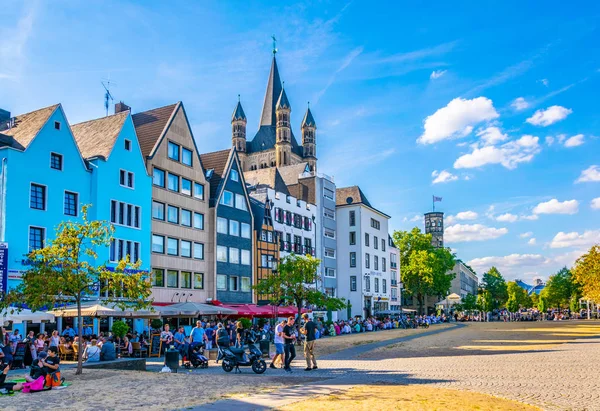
column 120, row 106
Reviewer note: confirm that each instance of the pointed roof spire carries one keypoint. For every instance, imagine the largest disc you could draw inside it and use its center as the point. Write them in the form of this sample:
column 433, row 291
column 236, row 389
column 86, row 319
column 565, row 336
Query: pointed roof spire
column 308, row 120
column 274, row 88
column 283, row 101
column 238, row 113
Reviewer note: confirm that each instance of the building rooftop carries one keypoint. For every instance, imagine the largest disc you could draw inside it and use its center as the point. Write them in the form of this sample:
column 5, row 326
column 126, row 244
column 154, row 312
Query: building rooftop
column 269, row 177
column 96, row 138
column 217, row 162
column 150, row 126
column 25, row 127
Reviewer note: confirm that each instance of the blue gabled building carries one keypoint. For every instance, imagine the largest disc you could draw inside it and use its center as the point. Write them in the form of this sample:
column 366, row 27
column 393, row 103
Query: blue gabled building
column 120, row 187
column 44, row 180
column 532, row 289
column 231, row 227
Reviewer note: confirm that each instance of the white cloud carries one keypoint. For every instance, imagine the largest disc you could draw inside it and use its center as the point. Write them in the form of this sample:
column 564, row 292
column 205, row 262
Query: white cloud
column 457, row 119
column 574, row 141
column 509, row 264
column 595, row 204
column 549, row 140
column 556, row 207
column 545, row 82
column 531, row 241
column 472, row 232
column 509, row 154
column 491, row 135
column 526, row 235
column 520, row 104
column 532, row 217
column 436, row 74
column 574, row 239
column 589, row 175
column 443, row 177
column 507, row 218
column 466, row 215
column 549, row 116
column 416, row 217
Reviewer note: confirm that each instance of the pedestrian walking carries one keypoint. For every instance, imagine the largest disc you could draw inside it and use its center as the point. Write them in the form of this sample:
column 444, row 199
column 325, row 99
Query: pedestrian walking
column 309, row 342
column 289, row 335
column 279, row 343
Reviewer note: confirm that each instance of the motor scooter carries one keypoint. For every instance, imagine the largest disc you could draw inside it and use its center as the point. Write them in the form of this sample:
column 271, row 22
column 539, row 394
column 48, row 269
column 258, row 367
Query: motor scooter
column 234, row 358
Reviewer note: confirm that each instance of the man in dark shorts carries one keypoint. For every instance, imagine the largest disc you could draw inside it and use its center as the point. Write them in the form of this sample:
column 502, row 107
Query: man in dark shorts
column 289, row 337
column 309, row 343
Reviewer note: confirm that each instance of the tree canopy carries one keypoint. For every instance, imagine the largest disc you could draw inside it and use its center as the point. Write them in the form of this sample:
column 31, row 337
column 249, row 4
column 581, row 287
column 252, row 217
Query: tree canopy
column 560, row 289
column 294, row 283
column 586, row 272
column 425, row 269
column 517, row 297
column 65, row 270
column 494, row 283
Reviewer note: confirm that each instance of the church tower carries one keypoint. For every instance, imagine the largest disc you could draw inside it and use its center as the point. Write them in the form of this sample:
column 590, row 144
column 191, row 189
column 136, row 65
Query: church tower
column 309, row 140
column 238, row 128
column 283, row 142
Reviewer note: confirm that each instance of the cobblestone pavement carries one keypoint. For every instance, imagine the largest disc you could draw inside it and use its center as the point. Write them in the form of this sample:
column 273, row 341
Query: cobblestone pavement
column 555, row 366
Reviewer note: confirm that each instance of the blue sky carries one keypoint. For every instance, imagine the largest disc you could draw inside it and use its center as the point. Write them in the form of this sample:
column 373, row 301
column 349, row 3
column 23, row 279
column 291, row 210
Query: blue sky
column 492, row 107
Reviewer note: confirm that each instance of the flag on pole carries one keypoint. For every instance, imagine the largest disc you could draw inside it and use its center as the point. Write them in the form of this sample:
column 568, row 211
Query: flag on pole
column 437, row 199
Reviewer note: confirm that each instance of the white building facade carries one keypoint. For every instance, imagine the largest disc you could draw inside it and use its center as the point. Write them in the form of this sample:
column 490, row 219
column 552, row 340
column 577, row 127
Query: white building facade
column 294, row 221
column 363, row 254
column 395, row 284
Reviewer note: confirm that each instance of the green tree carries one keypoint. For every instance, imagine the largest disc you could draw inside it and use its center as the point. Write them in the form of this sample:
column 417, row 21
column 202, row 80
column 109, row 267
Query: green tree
column 542, row 304
column 64, row 271
column 560, row 288
column 294, row 284
column 586, row 272
column 484, row 299
column 425, row 269
column 517, row 297
column 120, row 328
column 470, row 303
column 534, row 298
column 496, row 285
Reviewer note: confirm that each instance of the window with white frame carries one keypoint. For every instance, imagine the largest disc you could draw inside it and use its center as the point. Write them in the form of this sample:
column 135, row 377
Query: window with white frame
column 234, row 255
column 330, row 272
column 329, row 213
column 36, row 238
column 222, row 253
column 126, row 178
column 222, row 225
column 245, row 257
column 246, row 286
column 221, row 282
column 233, row 174
column 329, row 252
column 226, row 198
column 234, row 283
column 234, row 228
column 352, row 283
column 246, row 232
column 125, row 214
column 119, row 249
column 37, row 197
column 327, row 193
column 240, row 202
column 71, row 203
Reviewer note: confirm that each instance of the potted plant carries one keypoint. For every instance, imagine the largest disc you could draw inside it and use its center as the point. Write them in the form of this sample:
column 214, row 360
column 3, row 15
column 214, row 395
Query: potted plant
column 119, row 329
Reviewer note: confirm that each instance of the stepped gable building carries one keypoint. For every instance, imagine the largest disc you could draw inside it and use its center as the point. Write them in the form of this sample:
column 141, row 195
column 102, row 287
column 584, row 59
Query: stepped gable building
column 274, row 144
column 180, row 271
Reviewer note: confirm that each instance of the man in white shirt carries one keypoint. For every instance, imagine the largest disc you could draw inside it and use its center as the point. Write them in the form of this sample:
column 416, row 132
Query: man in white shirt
column 278, row 340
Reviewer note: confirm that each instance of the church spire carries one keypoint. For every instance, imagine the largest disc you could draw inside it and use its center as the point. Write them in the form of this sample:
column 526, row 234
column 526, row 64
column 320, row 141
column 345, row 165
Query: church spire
column 268, row 116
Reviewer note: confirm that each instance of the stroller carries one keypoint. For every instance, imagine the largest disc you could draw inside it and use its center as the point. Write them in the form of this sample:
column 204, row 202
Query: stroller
column 195, row 356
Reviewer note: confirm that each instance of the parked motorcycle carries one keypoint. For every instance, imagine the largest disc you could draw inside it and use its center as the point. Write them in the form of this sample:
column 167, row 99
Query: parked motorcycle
column 234, row 358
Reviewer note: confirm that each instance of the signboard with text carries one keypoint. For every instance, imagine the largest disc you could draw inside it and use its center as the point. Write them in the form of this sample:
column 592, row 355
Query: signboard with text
column 4, row 267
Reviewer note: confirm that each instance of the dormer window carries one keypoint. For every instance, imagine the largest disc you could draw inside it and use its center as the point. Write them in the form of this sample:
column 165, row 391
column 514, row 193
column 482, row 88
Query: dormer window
column 57, row 125
column 128, row 145
column 234, row 175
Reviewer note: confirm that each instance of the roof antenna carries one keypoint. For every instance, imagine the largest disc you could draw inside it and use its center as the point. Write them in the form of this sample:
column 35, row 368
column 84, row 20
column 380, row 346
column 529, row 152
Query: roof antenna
column 274, row 45
column 107, row 96
column 239, row 99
